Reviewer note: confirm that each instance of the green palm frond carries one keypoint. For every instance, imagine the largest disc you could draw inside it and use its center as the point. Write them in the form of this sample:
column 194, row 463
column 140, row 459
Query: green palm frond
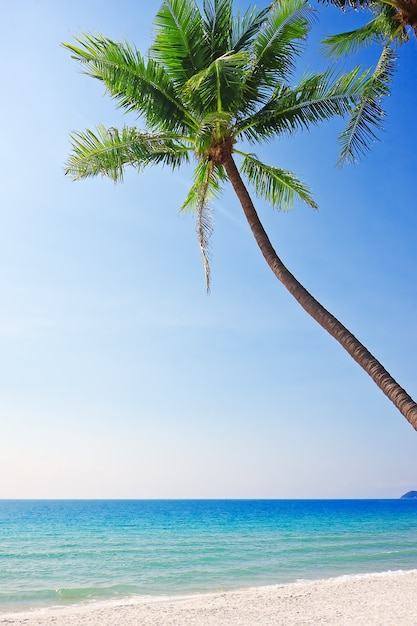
column 316, row 98
column 382, row 29
column 350, row 42
column 208, row 179
column 279, row 187
column 274, row 51
column 391, row 28
column 368, row 114
column 218, row 20
column 179, row 43
column 281, row 38
column 245, row 27
column 219, row 87
column 108, row 151
column 138, row 85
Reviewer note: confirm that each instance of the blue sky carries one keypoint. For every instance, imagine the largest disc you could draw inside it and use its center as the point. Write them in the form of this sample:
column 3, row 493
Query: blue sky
column 119, row 376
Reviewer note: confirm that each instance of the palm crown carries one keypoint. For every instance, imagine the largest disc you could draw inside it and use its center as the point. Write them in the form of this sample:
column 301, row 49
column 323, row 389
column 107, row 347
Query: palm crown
column 210, row 81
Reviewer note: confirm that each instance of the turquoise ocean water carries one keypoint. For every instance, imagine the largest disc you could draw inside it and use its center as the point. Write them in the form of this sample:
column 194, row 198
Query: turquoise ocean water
column 63, row 552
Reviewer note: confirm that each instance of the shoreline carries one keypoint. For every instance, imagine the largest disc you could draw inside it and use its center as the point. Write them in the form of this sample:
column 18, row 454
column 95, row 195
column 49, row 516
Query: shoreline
column 387, row 598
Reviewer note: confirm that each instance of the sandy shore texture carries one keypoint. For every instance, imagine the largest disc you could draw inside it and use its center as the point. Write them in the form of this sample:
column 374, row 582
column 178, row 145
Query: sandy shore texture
column 366, row 600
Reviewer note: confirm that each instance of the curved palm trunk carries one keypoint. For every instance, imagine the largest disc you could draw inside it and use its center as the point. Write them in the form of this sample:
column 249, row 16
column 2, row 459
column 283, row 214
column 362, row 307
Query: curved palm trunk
column 404, row 403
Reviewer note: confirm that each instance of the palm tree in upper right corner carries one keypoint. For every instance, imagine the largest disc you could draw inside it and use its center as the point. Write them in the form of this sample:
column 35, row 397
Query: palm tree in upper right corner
column 391, row 23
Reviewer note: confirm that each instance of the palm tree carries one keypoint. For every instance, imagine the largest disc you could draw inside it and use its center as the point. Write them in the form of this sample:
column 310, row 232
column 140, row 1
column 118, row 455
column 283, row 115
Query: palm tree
column 391, row 17
column 211, row 80
column 389, row 27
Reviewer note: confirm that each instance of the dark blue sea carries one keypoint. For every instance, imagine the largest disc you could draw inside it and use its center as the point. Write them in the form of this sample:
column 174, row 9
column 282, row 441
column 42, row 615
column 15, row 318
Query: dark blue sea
column 63, row 552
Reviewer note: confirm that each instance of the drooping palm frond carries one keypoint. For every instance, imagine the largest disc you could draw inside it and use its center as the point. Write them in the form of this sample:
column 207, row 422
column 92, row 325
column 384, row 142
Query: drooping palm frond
column 179, row 44
column 208, row 179
column 108, row 151
column 368, row 114
column 138, row 85
column 279, row 187
column 316, row 98
column 208, row 185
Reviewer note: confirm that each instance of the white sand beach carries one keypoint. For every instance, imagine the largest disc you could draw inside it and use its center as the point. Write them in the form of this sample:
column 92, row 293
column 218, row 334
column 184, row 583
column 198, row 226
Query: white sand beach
column 366, row 600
